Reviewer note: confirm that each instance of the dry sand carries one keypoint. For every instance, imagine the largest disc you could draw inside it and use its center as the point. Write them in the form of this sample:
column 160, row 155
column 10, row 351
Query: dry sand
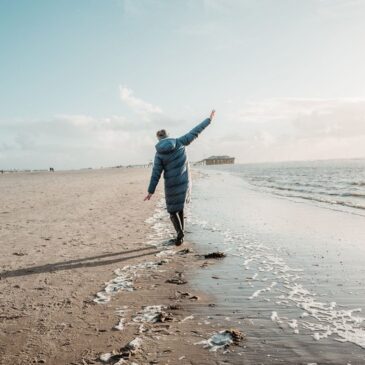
column 62, row 235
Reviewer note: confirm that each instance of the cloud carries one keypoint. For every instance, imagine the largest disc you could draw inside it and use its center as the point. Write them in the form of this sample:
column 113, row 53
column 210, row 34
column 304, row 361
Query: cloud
column 305, row 116
column 344, row 118
column 78, row 120
column 74, row 141
column 295, row 129
column 136, row 104
column 151, row 117
column 272, row 129
column 113, row 122
column 291, row 108
column 78, row 140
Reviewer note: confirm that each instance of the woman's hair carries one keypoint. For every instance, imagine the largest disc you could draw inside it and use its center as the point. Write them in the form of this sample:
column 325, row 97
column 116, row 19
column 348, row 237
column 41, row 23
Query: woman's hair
column 161, row 134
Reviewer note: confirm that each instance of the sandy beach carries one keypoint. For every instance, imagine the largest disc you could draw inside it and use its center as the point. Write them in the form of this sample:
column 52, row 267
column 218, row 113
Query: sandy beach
column 87, row 276
column 83, row 273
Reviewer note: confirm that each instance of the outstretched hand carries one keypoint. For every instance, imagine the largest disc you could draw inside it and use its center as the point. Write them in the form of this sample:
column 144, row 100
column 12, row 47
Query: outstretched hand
column 148, row 197
column 212, row 114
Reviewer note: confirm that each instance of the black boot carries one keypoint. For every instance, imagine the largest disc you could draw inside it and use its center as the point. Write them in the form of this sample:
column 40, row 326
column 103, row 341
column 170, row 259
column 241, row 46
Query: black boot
column 181, row 217
column 177, row 225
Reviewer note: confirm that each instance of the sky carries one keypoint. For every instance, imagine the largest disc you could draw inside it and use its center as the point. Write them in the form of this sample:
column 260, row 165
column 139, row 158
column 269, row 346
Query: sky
column 88, row 83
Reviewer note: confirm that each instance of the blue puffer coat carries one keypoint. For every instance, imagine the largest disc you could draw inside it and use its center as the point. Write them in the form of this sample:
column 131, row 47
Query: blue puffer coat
column 171, row 158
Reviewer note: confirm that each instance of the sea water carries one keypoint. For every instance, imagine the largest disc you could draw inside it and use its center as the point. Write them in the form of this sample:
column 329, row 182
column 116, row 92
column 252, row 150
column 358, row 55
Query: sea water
column 336, row 184
column 294, row 276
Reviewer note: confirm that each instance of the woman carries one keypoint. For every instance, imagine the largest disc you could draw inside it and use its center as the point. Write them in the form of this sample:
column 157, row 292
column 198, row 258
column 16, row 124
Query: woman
column 171, row 158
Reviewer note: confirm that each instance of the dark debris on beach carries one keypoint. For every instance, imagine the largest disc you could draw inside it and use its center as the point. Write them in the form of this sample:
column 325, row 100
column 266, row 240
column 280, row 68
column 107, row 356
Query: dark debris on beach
column 178, row 279
column 215, row 255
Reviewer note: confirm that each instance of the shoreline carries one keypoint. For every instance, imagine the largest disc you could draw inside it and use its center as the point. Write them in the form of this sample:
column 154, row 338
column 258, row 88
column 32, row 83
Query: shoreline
column 64, row 236
column 292, row 279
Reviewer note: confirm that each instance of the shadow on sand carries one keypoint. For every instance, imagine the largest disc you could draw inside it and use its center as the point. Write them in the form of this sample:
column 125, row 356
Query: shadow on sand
column 91, row 261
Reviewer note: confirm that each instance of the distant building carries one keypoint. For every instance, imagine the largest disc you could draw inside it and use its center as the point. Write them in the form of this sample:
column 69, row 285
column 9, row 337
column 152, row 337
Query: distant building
column 217, row 160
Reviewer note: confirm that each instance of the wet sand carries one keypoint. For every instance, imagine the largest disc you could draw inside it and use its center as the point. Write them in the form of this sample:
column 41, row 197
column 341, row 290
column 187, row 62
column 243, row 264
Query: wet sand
column 293, row 278
column 81, row 258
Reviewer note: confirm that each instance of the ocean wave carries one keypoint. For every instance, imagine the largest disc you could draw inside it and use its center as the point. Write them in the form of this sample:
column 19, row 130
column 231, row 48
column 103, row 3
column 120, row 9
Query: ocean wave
column 358, row 183
column 355, row 195
column 335, row 183
column 326, row 201
column 298, row 186
column 313, row 192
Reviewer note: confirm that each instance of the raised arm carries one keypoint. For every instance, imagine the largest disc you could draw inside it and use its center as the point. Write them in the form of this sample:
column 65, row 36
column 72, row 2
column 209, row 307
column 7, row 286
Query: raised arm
column 194, row 133
column 155, row 177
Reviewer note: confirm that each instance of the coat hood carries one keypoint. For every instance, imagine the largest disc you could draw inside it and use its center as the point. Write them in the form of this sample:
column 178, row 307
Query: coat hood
column 166, row 145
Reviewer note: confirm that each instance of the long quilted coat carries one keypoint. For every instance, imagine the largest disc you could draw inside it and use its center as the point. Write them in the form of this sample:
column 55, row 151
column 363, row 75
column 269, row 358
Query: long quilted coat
column 171, row 158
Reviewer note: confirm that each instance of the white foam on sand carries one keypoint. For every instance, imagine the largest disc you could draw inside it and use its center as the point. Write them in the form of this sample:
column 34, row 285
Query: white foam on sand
column 294, row 325
column 121, row 312
column 274, row 317
column 120, row 325
column 149, row 314
column 220, row 340
column 105, row 357
column 165, row 253
column 125, row 276
column 321, row 318
column 258, row 292
column 159, row 224
column 134, row 345
column 187, row 318
column 124, row 280
column 344, row 323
